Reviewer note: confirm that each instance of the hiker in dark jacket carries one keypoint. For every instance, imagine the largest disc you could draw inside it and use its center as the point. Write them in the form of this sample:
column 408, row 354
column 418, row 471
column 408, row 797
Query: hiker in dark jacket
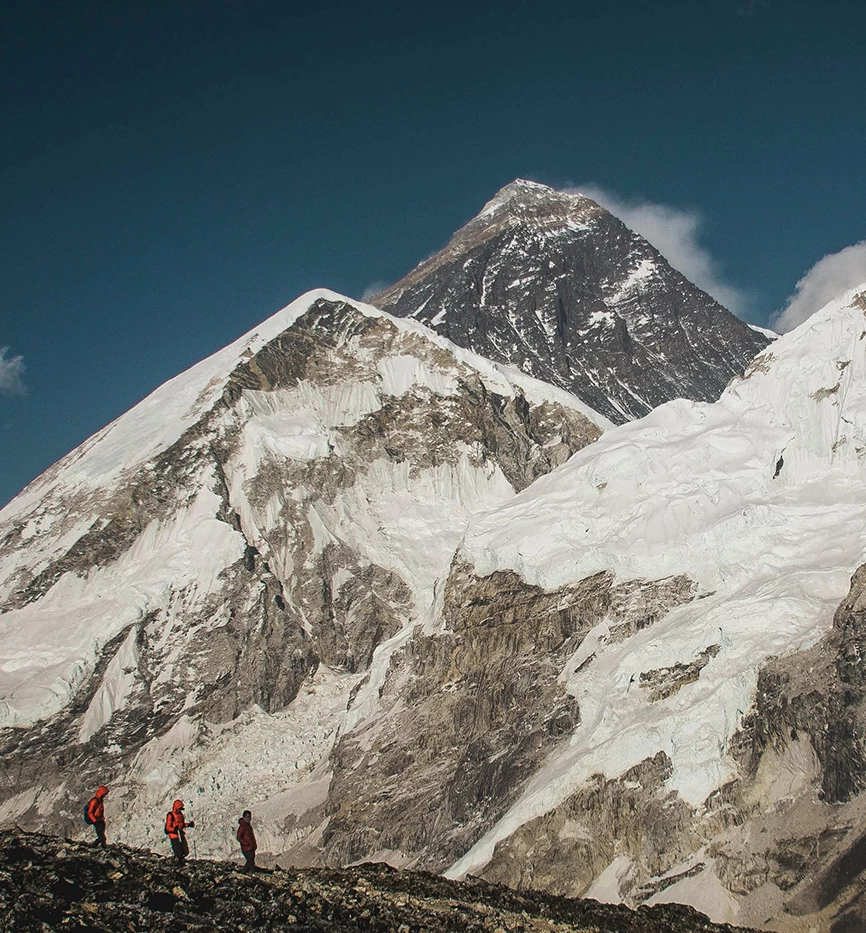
column 247, row 839
column 175, row 824
column 96, row 814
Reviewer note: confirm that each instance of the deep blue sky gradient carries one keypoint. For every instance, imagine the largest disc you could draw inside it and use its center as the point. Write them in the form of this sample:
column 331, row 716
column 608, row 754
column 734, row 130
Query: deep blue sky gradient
column 174, row 173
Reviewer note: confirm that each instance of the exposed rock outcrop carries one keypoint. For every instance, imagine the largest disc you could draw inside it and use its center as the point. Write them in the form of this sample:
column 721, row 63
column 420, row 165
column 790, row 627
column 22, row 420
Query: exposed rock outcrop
column 468, row 714
column 800, row 795
column 634, row 817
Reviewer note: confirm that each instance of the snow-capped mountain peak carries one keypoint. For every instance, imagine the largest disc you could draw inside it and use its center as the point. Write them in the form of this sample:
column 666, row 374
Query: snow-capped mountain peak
column 134, row 481
column 219, row 567
column 415, row 606
column 157, row 421
column 523, row 201
column 553, row 283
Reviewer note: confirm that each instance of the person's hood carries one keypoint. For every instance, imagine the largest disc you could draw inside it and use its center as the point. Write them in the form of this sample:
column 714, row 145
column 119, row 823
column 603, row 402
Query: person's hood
column 101, row 791
column 177, row 805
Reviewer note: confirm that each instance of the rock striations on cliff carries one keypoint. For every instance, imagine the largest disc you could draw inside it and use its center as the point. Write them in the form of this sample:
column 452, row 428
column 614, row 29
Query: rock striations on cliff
column 553, row 283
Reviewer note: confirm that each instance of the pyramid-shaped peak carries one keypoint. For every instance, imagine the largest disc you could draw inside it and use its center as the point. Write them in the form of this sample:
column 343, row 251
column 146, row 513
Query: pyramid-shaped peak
column 522, row 196
column 551, row 282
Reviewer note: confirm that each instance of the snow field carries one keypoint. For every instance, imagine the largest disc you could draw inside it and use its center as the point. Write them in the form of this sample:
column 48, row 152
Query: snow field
column 50, row 646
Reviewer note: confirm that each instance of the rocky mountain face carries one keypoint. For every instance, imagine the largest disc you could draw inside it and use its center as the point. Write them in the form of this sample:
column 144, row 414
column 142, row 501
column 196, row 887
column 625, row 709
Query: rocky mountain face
column 719, row 753
column 47, row 882
column 553, row 283
column 800, row 756
column 212, row 575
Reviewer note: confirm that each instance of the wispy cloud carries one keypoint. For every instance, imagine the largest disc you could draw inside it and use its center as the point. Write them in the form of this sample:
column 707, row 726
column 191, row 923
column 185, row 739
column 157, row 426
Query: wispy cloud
column 11, row 373
column 826, row 280
column 676, row 233
column 373, row 289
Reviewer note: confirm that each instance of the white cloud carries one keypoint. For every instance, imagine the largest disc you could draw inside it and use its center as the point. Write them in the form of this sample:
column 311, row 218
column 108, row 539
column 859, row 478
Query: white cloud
column 826, row 280
column 675, row 232
column 373, row 289
column 11, row 373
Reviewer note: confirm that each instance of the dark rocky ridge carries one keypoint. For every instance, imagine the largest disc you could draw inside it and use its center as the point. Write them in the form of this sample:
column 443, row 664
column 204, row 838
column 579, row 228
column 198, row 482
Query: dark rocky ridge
column 47, row 883
column 541, row 280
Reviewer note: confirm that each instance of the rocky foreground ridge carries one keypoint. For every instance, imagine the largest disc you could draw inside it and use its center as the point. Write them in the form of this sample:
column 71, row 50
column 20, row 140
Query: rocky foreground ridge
column 51, row 883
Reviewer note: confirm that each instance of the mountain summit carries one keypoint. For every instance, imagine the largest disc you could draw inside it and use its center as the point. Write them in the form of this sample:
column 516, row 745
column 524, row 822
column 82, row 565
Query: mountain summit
column 553, row 283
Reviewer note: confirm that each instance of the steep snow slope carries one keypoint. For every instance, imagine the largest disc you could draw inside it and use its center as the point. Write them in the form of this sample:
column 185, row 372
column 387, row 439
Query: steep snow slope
column 553, row 283
column 156, row 422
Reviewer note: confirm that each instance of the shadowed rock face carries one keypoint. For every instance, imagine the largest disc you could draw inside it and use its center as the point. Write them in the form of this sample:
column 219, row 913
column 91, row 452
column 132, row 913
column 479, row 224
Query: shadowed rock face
column 468, row 714
column 818, row 696
column 634, row 816
column 787, row 836
column 51, row 883
column 556, row 285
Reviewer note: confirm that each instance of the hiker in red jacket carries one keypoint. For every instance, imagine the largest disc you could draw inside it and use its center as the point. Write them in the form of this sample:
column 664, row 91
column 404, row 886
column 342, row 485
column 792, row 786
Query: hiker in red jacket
column 96, row 814
column 247, row 839
column 175, row 824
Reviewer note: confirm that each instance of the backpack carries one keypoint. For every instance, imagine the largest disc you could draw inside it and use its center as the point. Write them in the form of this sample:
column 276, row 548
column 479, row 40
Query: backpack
column 87, row 814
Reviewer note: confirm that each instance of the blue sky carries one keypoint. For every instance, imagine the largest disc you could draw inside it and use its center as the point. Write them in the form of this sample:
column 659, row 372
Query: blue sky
column 173, row 173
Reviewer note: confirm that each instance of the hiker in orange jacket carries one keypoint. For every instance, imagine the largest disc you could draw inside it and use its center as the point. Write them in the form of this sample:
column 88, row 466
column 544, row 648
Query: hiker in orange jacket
column 175, row 824
column 96, row 814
